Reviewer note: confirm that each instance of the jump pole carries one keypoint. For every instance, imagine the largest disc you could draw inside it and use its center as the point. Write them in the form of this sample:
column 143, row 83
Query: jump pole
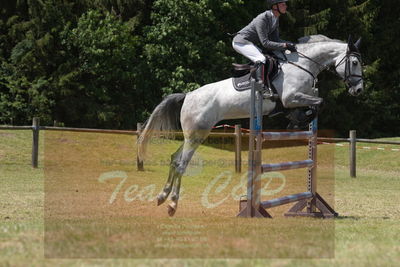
column 310, row 203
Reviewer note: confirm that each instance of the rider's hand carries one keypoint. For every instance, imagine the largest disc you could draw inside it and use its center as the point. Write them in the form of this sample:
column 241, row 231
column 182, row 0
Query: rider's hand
column 291, row 47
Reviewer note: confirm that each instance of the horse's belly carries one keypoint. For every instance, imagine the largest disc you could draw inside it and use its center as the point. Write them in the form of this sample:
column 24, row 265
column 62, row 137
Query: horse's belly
column 242, row 110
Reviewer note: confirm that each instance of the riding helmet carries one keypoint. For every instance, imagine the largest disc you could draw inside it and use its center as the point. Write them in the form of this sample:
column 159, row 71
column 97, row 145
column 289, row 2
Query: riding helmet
column 273, row 2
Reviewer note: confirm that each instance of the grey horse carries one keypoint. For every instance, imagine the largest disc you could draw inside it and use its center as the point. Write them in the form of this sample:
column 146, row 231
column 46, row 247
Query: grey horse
column 199, row 110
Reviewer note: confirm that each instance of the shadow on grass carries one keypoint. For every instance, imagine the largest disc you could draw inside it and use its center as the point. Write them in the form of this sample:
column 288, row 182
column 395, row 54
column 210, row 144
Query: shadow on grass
column 357, row 218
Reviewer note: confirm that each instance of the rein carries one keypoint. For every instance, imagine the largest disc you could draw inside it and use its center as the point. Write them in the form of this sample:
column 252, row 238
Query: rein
column 345, row 59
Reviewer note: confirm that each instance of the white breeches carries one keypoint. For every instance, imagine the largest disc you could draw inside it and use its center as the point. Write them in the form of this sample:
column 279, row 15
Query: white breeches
column 250, row 51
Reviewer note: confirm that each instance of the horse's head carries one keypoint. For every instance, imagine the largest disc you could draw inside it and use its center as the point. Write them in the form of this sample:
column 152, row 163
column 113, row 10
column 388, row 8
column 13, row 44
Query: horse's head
column 350, row 68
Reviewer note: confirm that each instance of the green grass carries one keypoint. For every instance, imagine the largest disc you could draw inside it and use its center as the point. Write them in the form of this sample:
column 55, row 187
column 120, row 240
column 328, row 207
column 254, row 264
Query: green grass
column 81, row 224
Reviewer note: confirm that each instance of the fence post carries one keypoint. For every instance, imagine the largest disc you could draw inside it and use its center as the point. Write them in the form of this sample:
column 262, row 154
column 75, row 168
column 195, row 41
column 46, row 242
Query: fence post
column 35, row 142
column 238, row 148
column 353, row 158
column 139, row 163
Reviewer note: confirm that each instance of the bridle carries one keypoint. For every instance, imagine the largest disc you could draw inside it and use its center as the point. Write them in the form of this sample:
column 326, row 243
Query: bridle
column 348, row 75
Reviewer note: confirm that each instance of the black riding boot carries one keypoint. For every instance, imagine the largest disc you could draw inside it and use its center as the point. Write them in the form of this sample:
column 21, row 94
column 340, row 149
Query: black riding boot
column 260, row 77
column 258, row 74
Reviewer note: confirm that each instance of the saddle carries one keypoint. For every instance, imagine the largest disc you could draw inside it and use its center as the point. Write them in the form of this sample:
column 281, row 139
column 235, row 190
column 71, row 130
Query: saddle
column 241, row 78
column 241, row 73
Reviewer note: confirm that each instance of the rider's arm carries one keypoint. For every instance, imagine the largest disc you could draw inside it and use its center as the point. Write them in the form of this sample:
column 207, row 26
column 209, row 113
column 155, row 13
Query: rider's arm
column 288, row 45
column 263, row 28
column 274, row 36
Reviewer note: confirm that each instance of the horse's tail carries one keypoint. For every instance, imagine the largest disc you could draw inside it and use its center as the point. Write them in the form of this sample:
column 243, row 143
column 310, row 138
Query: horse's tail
column 164, row 119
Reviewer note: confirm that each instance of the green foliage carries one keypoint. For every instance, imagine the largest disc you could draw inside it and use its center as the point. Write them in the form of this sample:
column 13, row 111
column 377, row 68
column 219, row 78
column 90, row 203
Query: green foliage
column 77, row 72
column 375, row 113
column 107, row 63
column 100, row 72
column 186, row 46
column 26, row 85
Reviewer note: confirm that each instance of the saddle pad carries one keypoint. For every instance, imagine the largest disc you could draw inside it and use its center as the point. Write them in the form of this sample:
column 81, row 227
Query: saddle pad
column 242, row 83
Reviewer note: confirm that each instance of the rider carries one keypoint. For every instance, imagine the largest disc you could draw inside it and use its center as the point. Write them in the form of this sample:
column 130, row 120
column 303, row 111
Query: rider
column 264, row 30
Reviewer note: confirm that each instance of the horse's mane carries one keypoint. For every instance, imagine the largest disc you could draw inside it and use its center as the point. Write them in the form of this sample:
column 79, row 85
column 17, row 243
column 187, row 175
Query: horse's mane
column 316, row 39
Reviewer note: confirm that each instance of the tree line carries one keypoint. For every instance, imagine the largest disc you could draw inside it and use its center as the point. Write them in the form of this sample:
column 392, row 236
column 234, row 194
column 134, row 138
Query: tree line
column 107, row 63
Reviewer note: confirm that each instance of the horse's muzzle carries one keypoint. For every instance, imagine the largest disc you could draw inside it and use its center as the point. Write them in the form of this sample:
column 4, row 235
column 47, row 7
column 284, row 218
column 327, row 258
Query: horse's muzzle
column 356, row 90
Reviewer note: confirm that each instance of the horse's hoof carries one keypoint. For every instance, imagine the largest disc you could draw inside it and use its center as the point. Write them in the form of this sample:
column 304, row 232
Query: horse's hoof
column 160, row 200
column 171, row 210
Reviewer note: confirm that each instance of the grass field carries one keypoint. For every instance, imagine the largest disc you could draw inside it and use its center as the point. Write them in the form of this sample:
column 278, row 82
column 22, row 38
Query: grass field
column 87, row 205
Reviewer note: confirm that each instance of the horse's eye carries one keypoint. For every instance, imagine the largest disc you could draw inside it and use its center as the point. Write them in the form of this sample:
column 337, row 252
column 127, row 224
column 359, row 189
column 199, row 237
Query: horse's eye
column 355, row 62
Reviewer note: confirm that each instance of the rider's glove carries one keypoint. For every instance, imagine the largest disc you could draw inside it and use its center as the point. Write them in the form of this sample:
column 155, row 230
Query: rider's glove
column 291, row 47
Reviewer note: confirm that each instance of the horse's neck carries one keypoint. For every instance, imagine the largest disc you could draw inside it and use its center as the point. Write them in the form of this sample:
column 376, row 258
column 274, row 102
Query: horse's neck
column 325, row 53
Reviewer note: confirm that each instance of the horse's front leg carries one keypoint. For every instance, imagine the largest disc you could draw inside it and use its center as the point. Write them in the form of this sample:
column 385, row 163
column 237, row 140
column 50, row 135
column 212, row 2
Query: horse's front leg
column 307, row 100
column 302, row 108
column 299, row 99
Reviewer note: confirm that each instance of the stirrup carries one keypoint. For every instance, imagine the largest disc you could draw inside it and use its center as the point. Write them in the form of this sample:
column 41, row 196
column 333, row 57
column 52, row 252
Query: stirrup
column 267, row 93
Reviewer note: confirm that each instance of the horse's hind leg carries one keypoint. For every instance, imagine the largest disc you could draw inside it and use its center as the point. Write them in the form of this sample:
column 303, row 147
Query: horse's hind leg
column 189, row 147
column 172, row 174
column 172, row 207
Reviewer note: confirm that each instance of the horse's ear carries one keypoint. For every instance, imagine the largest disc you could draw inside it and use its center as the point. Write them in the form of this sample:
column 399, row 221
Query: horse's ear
column 350, row 40
column 358, row 44
column 351, row 46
